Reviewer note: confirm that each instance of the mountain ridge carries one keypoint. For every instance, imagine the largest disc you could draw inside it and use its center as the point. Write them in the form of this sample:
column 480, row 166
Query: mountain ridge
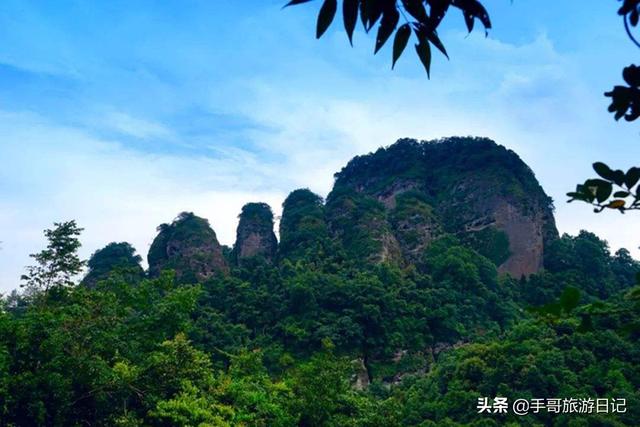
column 388, row 206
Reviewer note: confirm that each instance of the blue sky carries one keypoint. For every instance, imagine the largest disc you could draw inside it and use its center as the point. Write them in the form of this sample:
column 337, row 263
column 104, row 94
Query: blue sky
column 123, row 114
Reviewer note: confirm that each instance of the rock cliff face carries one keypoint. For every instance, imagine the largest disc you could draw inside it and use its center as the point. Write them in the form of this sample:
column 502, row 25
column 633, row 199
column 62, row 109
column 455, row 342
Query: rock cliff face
column 189, row 246
column 404, row 196
column 255, row 236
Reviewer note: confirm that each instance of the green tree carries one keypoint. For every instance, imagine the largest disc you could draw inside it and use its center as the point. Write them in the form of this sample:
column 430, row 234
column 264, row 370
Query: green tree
column 319, row 386
column 115, row 257
column 59, row 263
column 89, row 356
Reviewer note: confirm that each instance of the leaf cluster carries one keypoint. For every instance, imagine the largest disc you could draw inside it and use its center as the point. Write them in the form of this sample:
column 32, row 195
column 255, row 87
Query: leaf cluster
column 600, row 193
column 625, row 100
column 420, row 18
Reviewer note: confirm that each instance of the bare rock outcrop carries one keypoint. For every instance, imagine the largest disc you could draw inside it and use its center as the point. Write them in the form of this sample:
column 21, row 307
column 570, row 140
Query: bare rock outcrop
column 189, row 247
column 254, row 235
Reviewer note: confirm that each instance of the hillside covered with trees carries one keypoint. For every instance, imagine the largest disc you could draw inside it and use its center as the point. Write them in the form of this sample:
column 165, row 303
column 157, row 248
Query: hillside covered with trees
column 432, row 276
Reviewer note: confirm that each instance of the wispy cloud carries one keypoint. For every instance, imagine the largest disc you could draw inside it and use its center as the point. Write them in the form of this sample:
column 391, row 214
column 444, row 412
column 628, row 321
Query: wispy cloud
column 59, row 173
column 133, row 126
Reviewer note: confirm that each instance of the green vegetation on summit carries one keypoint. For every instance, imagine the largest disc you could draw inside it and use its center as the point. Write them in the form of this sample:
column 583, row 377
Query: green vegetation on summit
column 255, row 236
column 469, row 187
column 189, row 247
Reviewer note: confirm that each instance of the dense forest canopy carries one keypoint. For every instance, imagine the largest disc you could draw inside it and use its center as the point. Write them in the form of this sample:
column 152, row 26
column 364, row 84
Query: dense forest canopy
column 322, row 333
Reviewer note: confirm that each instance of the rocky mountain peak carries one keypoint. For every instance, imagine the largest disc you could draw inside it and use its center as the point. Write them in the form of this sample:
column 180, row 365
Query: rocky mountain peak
column 386, row 206
column 190, row 247
column 407, row 194
column 254, row 235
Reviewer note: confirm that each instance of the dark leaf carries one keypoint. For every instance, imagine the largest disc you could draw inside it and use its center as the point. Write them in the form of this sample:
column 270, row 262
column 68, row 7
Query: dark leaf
column 326, row 15
column 599, row 188
column 632, row 177
column 474, row 9
column 387, row 26
column 437, row 11
column 618, row 177
column 350, row 16
column 627, row 6
column 424, row 53
column 603, row 170
column 416, row 9
column 588, row 191
column 631, row 75
column 621, row 194
column 604, row 191
column 468, row 19
column 294, row 2
column 576, row 196
column 370, row 12
column 625, row 100
column 400, row 42
column 432, row 36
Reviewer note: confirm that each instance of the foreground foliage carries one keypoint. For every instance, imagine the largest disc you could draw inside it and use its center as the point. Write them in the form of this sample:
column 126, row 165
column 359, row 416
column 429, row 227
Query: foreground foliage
column 283, row 344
